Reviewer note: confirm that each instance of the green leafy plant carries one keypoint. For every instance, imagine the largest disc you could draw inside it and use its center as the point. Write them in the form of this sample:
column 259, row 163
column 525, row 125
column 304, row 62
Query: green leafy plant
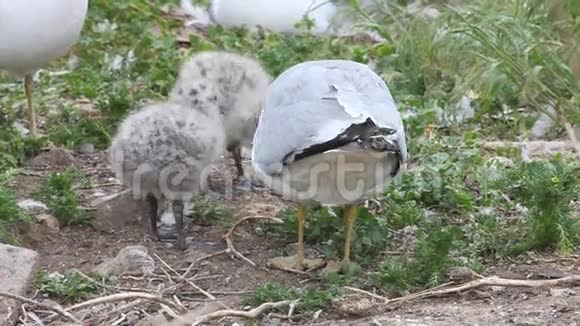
column 58, row 192
column 547, row 190
column 202, row 209
column 326, row 226
column 10, row 215
column 309, row 299
column 68, row 287
column 431, row 257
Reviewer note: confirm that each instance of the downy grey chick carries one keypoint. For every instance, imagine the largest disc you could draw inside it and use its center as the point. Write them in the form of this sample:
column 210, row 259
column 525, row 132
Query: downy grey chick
column 164, row 150
column 241, row 83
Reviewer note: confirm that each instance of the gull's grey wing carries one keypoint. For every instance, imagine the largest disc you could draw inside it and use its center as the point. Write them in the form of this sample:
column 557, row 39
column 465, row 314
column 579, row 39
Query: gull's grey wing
column 316, row 101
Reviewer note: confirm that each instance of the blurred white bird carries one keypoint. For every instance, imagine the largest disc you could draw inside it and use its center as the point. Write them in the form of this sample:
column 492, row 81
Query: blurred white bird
column 34, row 32
column 276, row 15
column 329, row 134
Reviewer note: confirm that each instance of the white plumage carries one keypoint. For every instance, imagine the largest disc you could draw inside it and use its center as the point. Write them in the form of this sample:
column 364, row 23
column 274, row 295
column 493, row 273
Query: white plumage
column 329, row 134
column 34, row 32
column 277, row 15
column 164, row 151
column 241, row 84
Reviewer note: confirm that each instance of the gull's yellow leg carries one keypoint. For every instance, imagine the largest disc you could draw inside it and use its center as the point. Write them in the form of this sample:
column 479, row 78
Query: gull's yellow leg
column 31, row 114
column 301, row 216
column 349, row 218
column 297, row 263
column 339, row 266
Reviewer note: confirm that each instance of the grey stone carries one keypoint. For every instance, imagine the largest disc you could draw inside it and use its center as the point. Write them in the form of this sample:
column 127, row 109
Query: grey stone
column 33, row 206
column 565, row 292
column 51, row 223
column 131, row 259
column 17, row 269
column 54, row 158
column 22, row 130
column 87, row 148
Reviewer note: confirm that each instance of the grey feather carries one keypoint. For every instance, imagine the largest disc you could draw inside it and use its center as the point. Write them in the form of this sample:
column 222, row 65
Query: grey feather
column 314, row 101
column 241, row 83
column 164, row 149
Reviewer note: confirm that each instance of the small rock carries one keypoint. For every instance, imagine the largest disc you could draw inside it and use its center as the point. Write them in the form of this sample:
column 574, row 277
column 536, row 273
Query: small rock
column 22, row 130
column 51, row 223
column 460, row 274
column 116, row 211
column 17, row 268
column 87, row 148
column 134, row 259
column 566, row 292
column 542, row 126
column 33, row 206
column 275, row 322
column 316, row 315
column 54, row 158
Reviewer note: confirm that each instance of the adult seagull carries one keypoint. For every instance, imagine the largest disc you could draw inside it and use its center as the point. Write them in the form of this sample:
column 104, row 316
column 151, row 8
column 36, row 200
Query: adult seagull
column 34, row 32
column 329, row 134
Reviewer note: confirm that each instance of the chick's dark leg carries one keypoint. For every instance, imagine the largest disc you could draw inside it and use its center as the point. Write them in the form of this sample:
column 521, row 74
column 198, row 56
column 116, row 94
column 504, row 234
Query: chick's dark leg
column 177, row 206
column 237, row 154
column 151, row 215
column 243, row 183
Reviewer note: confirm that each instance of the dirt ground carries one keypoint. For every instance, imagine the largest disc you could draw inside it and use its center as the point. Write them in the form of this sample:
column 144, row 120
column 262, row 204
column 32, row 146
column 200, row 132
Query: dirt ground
column 83, row 248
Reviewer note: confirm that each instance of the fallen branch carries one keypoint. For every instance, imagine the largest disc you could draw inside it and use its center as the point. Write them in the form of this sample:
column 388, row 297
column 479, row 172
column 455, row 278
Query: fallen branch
column 231, row 249
column 61, row 312
column 494, row 281
column 123, row 297
column 252, row 314
column 486, row 281
column 193, row 285
column 98, row 319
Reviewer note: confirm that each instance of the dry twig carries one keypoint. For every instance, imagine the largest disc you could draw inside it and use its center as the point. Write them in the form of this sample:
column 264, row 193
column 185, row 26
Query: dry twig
column 193, row 285
column 252, row 314
column 35, row 303
column 231, row 249
column 125, row 296
column 486, row 281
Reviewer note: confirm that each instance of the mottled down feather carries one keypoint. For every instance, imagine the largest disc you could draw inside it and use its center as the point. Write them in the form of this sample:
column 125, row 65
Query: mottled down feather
column 165, row 148
column 241, row 84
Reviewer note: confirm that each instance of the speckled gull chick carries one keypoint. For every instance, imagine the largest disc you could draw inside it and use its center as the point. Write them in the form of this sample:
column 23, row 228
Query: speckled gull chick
column 164, row 151
column 329, row 134
column 241, row 84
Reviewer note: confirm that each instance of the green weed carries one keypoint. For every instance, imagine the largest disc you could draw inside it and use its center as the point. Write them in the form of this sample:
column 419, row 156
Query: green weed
column 309, row 299
column 58, row 192
column 70, row 287
column 547, row 190
column 326, row 226
column 204, row 210
column 10, row 215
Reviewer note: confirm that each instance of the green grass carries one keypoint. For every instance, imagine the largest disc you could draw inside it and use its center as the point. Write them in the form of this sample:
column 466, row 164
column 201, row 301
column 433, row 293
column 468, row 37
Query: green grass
column 309, row 300
column 69, row 287
column 10, row 215
column 547, row 190
column 58, row 192
column 204, row 210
